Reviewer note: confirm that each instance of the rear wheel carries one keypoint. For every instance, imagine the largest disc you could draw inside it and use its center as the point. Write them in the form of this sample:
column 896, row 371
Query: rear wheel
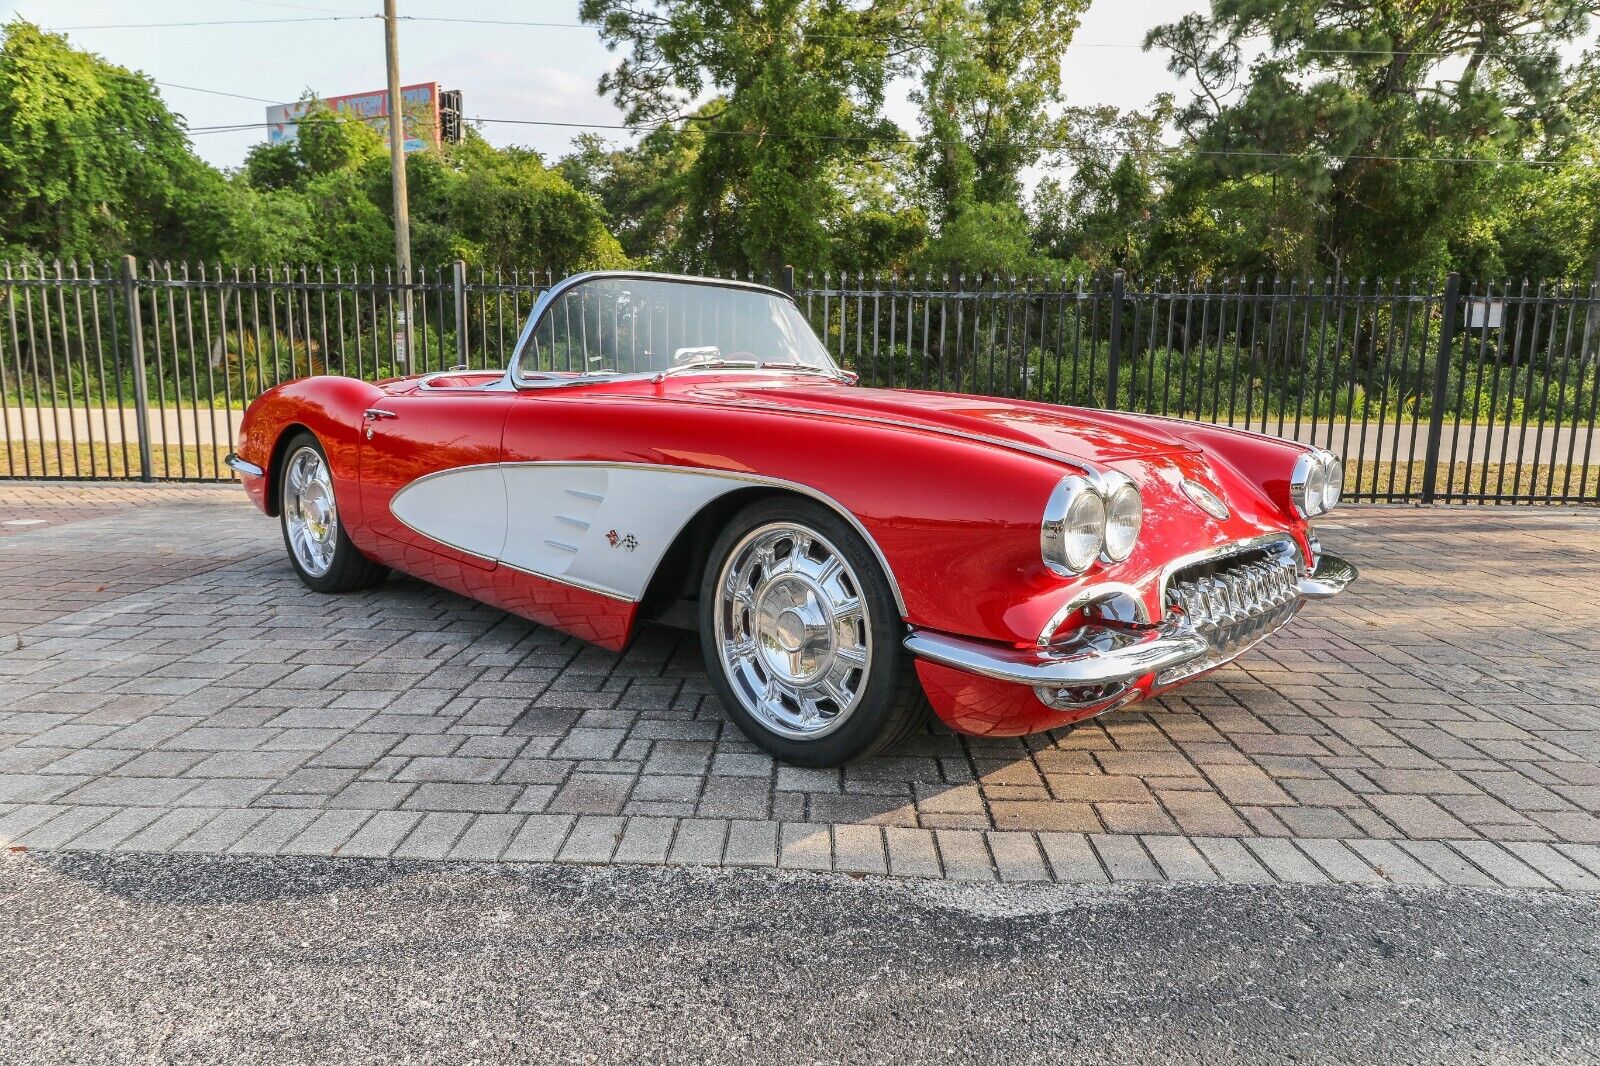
column 320, row 550
column 802, row 636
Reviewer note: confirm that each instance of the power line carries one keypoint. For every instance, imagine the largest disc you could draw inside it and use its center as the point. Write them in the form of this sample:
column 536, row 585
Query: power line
column 540, row 24
column 211, row 22
column 217, row 92
column 867, row 139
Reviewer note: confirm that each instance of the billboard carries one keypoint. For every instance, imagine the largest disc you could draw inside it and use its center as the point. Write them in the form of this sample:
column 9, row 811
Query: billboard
column 429, row 115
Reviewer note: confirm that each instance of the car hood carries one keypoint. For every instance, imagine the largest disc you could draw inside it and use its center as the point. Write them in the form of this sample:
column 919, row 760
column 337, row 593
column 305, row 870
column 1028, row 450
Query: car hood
column 1069, row 432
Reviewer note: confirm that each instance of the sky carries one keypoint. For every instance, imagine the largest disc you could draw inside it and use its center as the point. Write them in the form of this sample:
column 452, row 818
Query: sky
column 503, row 72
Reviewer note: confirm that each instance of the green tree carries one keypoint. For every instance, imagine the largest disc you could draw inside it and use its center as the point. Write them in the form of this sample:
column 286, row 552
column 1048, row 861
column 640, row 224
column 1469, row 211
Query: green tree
column 643, row 188
column 877, row 223
column 92, row 163
column 799, row 86
column 989, row 85
column 1100, row 217
column 504, row 207
column 1353, row 139
column 326, row 197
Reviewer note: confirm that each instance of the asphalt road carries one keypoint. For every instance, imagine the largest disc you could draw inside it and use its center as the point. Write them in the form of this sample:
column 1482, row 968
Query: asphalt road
column 191, row 959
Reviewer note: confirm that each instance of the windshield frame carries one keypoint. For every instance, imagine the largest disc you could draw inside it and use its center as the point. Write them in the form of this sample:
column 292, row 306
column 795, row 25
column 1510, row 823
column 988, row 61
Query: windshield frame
column 561, row 380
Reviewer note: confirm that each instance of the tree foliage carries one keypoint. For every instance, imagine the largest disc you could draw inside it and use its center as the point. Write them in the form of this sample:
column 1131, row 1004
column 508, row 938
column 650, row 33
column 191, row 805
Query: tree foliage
column 1391, row 137
column 1363, row 134
column 796, row 86
column 93, row 164
column 989, row 92
column 91, row 161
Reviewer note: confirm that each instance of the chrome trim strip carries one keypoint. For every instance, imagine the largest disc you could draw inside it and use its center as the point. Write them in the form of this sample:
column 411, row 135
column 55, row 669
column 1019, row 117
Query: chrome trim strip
column 1100, row 655
column 426, row 381
column 583, row 494
column 749, row 479
column 1331, row 577
column 571, row 521
column 584, row 586
column 563, row 545
column 240, row 466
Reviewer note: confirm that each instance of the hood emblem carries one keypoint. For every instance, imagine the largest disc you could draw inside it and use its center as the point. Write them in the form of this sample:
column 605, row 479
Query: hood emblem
column 1205, row 499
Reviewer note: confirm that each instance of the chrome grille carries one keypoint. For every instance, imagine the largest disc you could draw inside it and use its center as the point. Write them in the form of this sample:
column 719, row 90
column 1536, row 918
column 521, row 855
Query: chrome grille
column 1234, row 602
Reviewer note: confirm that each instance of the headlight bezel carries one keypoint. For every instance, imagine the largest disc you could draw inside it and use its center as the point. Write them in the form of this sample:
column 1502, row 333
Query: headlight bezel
column 1332, row 475
column 1118, row 489
column 1314, row 471
column 1078, row 517
column 1071, row 495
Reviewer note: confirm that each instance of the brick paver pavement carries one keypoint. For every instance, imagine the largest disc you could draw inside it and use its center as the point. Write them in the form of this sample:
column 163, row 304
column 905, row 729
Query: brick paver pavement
column 167, row 685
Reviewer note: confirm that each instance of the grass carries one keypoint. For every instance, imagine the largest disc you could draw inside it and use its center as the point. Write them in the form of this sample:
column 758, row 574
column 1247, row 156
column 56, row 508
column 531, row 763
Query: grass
column 33, row 459
column 1497, row 481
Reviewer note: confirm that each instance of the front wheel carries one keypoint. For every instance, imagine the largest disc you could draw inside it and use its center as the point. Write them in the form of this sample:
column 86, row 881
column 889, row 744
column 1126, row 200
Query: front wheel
column 319, row 548
column 802, row 636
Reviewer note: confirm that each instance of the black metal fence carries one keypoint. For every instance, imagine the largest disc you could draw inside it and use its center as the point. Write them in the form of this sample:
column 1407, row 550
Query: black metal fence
column 1451, row 392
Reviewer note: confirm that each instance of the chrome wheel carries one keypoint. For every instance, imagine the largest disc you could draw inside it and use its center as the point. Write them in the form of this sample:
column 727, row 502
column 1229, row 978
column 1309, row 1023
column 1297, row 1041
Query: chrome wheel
column 792, row 630
column 310, row 515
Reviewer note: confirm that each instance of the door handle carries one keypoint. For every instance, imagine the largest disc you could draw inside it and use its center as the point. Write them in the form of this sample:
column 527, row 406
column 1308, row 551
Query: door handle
column 373, row 414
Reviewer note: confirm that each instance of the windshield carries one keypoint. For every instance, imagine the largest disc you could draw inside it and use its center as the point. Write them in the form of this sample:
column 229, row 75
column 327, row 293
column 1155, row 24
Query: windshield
column 635, row 325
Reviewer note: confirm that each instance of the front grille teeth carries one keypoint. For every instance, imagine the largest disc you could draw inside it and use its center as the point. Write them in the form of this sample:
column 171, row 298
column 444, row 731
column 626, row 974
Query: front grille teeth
column 1234, row 604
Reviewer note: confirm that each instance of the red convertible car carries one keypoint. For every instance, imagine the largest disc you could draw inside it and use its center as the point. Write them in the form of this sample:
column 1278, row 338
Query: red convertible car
column 684, row 449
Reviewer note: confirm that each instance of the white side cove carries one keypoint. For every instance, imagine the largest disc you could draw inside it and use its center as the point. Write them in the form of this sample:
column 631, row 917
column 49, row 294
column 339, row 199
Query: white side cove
column 600, row 526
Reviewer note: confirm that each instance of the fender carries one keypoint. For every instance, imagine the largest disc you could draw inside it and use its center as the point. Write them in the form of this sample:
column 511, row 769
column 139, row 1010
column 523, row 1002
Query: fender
column 330, row 407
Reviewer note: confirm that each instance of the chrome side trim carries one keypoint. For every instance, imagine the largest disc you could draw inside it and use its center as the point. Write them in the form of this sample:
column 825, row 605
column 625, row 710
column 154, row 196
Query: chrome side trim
column 1331, row 577
column 1098, row 655
column 426, row 381
column 240, row 466
column 567, row 581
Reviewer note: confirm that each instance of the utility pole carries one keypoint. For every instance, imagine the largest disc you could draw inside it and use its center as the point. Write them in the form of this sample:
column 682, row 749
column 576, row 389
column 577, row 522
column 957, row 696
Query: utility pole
column 397, row 164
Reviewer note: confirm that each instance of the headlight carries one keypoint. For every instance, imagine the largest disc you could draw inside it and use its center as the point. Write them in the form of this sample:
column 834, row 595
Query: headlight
column 1073, row 531
column 1316, row 483
column 1124, row 516
column 1333, row 480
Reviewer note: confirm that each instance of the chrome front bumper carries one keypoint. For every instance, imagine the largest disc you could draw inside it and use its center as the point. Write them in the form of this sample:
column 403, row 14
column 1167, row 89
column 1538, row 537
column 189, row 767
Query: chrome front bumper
column 1101, row 657
column 1097, row 655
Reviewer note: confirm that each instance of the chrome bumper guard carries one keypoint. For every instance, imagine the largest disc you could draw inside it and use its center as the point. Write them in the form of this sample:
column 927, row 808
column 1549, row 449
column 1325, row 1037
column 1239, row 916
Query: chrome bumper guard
column 240, row 466
column 1330, row 578
column 1106, row 657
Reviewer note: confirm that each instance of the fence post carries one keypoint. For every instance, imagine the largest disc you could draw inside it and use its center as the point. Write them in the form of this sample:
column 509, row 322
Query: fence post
column 1441, row 385
column 1114, row 359
column 787, row 282
column 458, row 286
column 141, row 393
